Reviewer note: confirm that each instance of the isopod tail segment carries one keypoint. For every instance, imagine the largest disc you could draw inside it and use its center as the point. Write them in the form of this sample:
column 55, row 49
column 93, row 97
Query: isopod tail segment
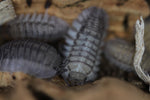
column 82, row 46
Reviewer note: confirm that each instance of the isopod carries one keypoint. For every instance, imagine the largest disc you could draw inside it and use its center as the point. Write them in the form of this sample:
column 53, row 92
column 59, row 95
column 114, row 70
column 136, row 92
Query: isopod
column 38, row 26
column 83, row 46
column 48, row 3
column 31, row 57
column 121, row 53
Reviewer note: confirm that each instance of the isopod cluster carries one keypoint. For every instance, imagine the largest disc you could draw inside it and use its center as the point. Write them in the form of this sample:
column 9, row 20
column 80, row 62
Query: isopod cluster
column 38, row 26
column 83, row 46
column 44, row 46
column 81, row 50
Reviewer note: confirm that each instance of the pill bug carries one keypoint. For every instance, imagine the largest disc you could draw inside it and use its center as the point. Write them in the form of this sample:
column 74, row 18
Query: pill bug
column 121, row 53
column 83, row 46
column 38, row 26
column 31, row 57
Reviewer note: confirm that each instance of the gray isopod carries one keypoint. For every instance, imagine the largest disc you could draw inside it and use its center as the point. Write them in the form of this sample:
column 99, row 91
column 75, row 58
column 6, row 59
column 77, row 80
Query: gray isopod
column 31, row 57
column 38, row 26
column 121, row 53
column 83, row 46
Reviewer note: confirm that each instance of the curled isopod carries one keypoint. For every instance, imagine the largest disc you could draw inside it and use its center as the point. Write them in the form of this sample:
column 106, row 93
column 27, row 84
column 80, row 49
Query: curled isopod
column 38, row 26
column 31, row 57
column 121, row 53
column 83, row 46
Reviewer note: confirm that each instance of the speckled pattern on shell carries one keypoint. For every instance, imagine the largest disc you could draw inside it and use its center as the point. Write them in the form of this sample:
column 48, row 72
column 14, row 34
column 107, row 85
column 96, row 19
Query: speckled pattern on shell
column 34, row 58
column 121, row 52
column 83, row 46
column 38, row 26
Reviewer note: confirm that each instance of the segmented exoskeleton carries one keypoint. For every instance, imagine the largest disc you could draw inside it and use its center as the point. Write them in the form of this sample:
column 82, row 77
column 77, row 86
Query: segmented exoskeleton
column 121, row 53
column 38, row 26
column 31, row 57
column 83, row 46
